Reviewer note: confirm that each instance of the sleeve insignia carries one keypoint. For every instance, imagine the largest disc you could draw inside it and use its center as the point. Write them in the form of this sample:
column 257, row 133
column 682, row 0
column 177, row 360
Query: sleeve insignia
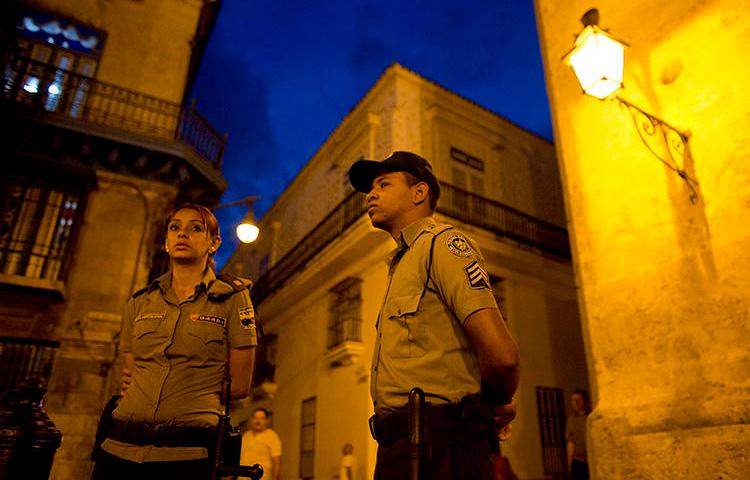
column 247, row 318
column 459, row 246
column 477, row 276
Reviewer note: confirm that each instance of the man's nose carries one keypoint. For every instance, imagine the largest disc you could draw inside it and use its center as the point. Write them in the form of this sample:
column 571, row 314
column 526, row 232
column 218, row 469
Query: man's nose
column 371, row 195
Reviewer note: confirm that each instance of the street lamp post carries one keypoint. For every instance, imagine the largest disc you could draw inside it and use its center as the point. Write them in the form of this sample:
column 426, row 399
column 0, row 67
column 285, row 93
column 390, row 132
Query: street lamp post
column 247, row 231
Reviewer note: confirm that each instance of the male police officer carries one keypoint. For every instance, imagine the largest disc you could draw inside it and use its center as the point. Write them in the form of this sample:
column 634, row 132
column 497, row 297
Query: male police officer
column 439, row 329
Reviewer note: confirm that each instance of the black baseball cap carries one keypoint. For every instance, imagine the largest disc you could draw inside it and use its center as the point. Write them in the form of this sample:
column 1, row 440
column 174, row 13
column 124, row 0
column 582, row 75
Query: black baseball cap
column 363, row 172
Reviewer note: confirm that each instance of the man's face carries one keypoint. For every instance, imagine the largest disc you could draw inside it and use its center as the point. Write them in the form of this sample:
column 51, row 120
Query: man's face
column 259, row 421
column 578, row 403
column 389, row 199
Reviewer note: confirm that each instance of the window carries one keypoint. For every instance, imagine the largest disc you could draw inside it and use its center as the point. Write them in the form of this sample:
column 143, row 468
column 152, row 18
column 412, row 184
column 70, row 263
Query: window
column 468, row 175
column 36, row 227
column 307, row 440
column 551, row 411
column 59, row 55
column 345, row 322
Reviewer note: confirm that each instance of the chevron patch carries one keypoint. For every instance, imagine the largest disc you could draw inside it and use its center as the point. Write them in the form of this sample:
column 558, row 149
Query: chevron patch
column 478, row 278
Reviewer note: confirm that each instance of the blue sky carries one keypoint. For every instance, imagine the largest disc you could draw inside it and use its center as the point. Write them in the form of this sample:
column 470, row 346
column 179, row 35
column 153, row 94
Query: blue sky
column 279, row 76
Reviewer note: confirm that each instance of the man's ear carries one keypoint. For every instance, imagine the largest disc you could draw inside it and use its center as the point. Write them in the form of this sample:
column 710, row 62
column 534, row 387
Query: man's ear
column 420, row 193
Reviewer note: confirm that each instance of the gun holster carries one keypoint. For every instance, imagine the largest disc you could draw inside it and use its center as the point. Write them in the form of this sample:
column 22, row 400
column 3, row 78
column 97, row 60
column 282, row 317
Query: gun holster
column 104, row 426
column 479, row 416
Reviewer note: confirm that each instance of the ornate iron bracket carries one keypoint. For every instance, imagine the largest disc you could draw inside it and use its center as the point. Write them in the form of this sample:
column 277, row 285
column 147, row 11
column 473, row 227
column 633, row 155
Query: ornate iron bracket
column 674, row 151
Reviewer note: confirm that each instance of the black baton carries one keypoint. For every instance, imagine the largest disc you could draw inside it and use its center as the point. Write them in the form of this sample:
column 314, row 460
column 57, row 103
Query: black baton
column 416, row 432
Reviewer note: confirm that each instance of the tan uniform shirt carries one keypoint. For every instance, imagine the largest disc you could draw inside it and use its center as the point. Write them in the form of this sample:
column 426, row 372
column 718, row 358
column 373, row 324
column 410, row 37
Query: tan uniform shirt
column 421, row 339
column 180, row 352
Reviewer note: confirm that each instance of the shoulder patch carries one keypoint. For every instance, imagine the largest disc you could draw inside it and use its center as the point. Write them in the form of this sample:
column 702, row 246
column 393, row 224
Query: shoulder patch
column 477, row 276
column 247, row 317
column 459, row 246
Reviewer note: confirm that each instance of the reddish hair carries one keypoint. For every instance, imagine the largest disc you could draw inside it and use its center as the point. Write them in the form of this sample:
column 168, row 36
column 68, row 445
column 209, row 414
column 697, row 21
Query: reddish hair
column 210, row 223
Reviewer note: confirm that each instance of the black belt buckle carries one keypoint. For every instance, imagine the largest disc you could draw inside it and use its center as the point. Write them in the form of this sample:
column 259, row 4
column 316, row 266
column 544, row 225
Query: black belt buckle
column 374, row 428
column 151, row 434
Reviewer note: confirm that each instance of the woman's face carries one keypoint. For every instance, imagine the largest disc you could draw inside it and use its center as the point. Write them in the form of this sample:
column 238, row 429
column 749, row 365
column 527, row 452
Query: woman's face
column 187, row 237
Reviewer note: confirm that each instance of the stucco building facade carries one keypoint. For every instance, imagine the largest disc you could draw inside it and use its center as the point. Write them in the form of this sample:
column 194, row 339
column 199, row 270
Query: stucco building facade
column 320, row 275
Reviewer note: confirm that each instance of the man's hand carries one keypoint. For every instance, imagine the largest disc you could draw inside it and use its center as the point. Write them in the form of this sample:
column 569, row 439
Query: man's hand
column 504, row 414
column 126, row 378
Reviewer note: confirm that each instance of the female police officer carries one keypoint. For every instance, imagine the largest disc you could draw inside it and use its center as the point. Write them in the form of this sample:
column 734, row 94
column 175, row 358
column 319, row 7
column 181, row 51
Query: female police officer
column 178, row 336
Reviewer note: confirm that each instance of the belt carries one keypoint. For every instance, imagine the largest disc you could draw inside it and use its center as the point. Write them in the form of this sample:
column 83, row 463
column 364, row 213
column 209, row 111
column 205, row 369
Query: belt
column 391, row 427
column 159, row 434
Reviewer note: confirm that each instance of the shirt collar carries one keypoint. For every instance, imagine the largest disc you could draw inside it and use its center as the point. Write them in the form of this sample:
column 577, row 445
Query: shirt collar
column 164, row 282
column 411, row 232
column 409, row 235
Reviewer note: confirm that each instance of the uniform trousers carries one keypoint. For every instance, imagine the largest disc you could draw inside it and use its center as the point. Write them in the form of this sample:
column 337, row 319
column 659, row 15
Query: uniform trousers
column 111, row 467
column 453, row 454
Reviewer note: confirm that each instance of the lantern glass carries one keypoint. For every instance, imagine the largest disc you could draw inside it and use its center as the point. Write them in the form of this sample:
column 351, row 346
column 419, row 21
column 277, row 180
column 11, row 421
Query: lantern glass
column 247, row 232
column 597, row 60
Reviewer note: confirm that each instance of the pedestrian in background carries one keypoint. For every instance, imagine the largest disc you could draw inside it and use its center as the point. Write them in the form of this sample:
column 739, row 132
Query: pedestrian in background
column 262, row 445
column 348, row 465
column 575, row 435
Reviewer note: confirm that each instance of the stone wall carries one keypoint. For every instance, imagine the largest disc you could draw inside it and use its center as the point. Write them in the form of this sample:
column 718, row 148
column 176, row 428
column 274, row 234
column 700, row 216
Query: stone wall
column 663, row 281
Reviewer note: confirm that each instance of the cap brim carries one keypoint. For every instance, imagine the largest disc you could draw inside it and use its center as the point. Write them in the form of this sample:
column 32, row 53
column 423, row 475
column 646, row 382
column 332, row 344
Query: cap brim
column 363, row 172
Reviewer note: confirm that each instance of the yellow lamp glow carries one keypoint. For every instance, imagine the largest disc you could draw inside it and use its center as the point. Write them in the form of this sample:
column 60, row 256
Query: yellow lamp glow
column 247, row 232
column 597, row 60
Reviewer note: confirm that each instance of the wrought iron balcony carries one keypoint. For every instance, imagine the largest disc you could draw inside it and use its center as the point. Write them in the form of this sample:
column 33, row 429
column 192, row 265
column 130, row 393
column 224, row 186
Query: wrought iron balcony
column 494, row 216
column 61, row 94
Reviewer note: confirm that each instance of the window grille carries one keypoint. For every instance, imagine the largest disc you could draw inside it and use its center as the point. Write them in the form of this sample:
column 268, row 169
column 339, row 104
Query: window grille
column 345, row 321
column 36, row 226
column 307, row 440
column 550, row 406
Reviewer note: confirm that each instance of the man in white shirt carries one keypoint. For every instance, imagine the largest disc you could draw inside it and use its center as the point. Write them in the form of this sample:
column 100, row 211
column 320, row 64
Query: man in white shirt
column 348, row 467
column 261, row 445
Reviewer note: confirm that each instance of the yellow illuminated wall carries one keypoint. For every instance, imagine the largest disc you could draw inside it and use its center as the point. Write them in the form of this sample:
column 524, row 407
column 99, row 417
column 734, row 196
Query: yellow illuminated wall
column 663, row 282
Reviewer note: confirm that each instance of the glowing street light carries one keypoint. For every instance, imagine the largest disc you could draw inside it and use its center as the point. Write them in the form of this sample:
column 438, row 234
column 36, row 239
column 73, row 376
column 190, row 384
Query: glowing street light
column 247, row 231
column 597, row 58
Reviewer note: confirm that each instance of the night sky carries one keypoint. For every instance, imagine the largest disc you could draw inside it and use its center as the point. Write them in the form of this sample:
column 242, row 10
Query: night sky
column 279, row 76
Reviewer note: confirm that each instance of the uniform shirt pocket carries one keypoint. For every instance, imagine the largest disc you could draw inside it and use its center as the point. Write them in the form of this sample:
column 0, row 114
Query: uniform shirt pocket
column 147, row 335
column 206, row 342
column 404, row 333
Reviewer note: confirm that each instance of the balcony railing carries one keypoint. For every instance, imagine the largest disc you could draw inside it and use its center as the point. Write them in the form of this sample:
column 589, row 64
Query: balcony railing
column 24, row 359
column 454, row 202
column 345, row 214
column 62, row 94
column 503, row 220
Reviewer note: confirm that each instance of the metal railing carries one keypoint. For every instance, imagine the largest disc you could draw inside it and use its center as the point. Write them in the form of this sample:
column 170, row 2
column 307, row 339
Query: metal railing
column 59, row 93
column 343, row 215
column 454, row 202
column 23, row 359
column 503, row 220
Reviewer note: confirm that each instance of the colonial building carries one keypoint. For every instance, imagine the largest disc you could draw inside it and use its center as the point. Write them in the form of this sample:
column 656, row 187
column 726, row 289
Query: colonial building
column 660, row 231
column 321, row 276
column 97, row 145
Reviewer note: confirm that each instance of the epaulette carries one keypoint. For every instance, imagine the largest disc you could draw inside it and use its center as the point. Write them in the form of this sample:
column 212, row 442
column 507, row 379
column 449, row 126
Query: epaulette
column 227, row 285
column 440, row 229
column 141, row 292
